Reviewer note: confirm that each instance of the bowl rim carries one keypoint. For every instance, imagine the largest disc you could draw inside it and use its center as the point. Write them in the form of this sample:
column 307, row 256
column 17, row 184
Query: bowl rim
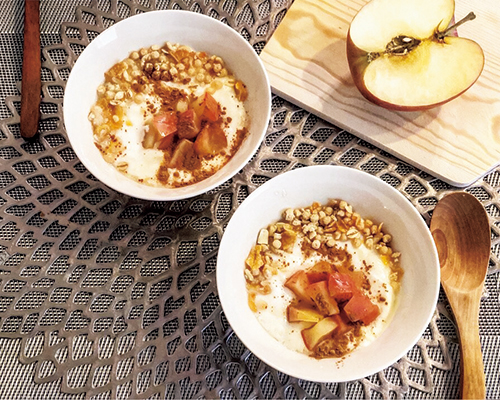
column 244, row 332
column 164, row 193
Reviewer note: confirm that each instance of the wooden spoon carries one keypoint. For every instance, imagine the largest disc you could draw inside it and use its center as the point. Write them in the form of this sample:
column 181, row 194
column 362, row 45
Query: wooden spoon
column 462, row 234
column 31, row 76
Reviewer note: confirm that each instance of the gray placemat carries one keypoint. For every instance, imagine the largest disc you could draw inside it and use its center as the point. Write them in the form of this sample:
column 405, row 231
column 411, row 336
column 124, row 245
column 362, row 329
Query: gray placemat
column 107, row 296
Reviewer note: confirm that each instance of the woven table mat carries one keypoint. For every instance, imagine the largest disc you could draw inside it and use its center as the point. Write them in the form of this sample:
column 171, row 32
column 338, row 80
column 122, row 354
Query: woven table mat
column 104, row 296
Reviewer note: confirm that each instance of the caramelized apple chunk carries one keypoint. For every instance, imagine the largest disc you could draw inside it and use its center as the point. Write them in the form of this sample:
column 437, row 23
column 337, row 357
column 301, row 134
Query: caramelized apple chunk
column 318, row 332
column 297, row 313
column 326, row 304
column 210, row 141
column 298, row 284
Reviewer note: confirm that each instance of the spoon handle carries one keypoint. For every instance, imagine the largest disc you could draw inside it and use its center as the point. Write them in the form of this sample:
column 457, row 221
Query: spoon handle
column 31, row 74
column 471, row 360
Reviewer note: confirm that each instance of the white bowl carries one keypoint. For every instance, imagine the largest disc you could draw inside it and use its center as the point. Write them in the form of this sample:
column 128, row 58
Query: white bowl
column 202, row 33
column 370, row 197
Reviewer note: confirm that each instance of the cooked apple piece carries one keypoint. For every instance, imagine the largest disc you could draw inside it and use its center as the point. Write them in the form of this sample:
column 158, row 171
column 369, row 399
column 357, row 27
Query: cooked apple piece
column 326, row 304
column 319, row 272
column 162, row 126
column 360, row 308
column 298, row 284
column 341, row 286
column 318, row 332
column 206, row 107
column 189, row 125
column 166, row 143
column 403, row 56
column 344, row 323
column 210, row 141
column 296, row 313
column 184, row 156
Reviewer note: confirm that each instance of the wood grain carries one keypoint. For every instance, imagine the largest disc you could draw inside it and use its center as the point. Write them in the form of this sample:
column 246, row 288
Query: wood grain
column 31, row 76
column 458, row 142
column 461, row 231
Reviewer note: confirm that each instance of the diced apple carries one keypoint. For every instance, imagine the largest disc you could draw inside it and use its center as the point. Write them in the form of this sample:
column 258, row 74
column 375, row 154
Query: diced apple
column 183, row 156
column 344, row 323
column 166, row 142
column 318, row 332
column 360, row 308
column 165, row 123
column 295, row 313
column 162, row 126
column 326, row 304
column 210, row 141
column 319, row 272
column 341, row 286
column 298, row 284
column 206, row 107
column 189, row 125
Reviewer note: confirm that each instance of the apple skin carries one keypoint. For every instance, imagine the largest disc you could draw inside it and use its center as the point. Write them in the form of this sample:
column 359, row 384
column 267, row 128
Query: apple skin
column 358, row 62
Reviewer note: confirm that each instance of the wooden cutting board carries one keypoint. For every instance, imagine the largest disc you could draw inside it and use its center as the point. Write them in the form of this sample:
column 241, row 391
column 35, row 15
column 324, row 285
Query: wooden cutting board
column 458, row 142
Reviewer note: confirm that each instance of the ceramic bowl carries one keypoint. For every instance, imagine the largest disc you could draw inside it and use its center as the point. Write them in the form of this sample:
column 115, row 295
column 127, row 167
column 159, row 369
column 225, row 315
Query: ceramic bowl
column 198, row 31
column 370, row 197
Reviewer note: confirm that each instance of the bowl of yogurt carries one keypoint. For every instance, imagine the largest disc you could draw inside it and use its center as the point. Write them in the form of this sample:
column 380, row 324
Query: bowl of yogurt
column 166, row 105
column 328, row 274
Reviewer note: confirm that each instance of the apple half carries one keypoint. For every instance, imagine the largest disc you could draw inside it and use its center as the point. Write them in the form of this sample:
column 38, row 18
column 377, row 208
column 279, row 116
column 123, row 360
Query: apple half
column 403, row 55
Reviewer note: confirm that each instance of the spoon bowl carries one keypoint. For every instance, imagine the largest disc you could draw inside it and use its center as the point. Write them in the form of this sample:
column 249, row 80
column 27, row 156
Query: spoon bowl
column 461, row 231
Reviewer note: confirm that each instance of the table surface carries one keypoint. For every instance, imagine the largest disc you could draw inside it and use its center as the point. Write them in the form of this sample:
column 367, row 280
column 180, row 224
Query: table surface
column 107, row 296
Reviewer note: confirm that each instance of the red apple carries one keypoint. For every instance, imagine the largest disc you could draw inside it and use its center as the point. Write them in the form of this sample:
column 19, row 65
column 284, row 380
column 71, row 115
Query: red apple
column 403, row 56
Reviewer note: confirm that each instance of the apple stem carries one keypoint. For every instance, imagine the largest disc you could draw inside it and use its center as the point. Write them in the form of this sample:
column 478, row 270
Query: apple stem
column 468, row 17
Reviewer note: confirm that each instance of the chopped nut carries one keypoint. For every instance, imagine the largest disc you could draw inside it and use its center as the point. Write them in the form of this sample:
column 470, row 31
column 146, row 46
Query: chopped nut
column 316, row 244
column 289, row 214
column 248, row 275
column 263, row 237
column 352, row 233
column 326, row 220
column 383, row 250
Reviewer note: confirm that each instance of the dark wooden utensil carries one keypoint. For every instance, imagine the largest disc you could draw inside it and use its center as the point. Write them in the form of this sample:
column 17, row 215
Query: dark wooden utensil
column 31, row 77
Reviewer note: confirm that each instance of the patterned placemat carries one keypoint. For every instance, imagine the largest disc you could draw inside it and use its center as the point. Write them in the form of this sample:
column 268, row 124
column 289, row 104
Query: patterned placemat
column 107, row 296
